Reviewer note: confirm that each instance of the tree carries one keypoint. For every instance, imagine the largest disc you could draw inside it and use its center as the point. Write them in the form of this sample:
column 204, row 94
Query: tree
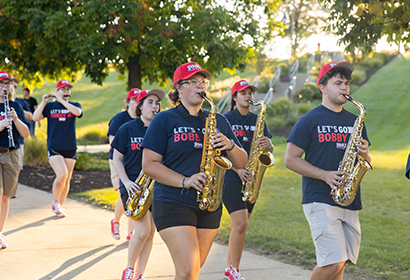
column 148, row 39
column 362, row 23
column 307, row 17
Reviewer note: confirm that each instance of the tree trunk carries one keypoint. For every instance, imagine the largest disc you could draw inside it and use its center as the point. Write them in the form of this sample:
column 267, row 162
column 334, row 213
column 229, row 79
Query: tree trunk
column 134, row 72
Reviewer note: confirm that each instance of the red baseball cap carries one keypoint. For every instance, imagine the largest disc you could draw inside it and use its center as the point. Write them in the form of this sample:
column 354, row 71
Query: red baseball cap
column 133, row 93
column 159, row 93
column 187, row 70
column 63, row 83
column 241, row 85
column 327, row 67
column 4, row 75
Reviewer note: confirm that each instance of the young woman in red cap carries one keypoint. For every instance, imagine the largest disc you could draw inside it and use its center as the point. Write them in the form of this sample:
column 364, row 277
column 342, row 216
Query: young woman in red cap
column 172, row 157
column 243, row 124
column 127, row 160
column 12, row 125
column 118, row 120
column 61, row 139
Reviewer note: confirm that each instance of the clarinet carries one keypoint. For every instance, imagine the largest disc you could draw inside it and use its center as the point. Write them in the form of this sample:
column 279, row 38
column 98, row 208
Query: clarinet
column 9, row 127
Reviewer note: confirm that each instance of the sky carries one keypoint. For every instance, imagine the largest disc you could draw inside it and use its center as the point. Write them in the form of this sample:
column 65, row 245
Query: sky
column 280, row 48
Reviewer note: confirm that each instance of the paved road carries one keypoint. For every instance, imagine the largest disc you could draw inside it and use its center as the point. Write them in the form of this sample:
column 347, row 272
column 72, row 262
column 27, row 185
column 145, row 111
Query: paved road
column 80, row 246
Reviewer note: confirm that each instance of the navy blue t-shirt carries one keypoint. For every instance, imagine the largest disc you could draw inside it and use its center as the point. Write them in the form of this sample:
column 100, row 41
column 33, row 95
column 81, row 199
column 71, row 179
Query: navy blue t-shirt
column 173, row 137
column 128, row 142
column 115, row 123
column 60, row 126
column 4, row 136
column 25, row 107
column 323, row 135
column 242, row 134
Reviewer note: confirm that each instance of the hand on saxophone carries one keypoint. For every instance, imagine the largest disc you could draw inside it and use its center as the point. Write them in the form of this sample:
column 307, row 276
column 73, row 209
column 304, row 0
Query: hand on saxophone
column 363, row 148
column 264, row 142
column 221, row 142
column 334, row 178
column 244, row 174
column 131, row 187
column 196, row 181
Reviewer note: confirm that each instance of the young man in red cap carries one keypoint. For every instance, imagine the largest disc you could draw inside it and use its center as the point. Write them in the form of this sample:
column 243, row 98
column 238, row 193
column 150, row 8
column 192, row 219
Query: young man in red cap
column 322, row 135
column 243, row 125
column 115, row 123
column 61, row 140
column 12, row 126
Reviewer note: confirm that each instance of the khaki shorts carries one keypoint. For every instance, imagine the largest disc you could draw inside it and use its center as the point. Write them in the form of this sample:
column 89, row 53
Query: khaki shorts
column 9, row 172
column 114, row 175
column 335, row 232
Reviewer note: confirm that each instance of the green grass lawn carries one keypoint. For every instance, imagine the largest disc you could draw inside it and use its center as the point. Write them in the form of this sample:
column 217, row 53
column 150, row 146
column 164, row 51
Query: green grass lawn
column 278, row 227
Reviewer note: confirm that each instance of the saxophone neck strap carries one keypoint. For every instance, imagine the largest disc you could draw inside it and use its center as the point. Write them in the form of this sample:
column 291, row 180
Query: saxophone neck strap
column 248, row 118
column 184, row 112
column 142, row 125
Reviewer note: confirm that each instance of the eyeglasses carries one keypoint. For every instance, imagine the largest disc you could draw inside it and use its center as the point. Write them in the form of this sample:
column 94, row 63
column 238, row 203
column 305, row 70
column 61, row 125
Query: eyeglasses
column 5, row 84
column 195, row 82
column 64, row 89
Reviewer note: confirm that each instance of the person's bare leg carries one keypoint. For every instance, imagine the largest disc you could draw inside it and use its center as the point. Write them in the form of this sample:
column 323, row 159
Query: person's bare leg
column 70, row 163
column 59, row 167
column 329, row 272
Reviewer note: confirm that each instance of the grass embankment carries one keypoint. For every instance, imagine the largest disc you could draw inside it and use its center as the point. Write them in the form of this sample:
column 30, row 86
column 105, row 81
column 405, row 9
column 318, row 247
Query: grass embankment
column 278, row 226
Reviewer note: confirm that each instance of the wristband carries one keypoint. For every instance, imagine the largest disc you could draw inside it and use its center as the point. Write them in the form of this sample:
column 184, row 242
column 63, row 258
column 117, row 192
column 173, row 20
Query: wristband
column 183, row 185
column 233, row 146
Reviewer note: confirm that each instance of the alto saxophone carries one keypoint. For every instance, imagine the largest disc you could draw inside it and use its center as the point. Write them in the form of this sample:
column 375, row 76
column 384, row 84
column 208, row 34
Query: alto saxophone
column 138, row 204
column 345, row 193
column 212, row 164
column 259, row 159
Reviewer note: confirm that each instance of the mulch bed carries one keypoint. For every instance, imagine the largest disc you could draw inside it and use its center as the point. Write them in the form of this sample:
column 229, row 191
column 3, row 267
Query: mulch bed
column 42, row 177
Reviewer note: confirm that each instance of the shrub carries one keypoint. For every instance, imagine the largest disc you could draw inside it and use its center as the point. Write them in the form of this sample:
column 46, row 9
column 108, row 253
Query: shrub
column 307, row 93
column 35, row 151
column 302, row 109
column 382, row 56
column 372, row 62
column 275, row 123
column 282, row 107
column 358, row 76
column 94, row 136
column 83, row 161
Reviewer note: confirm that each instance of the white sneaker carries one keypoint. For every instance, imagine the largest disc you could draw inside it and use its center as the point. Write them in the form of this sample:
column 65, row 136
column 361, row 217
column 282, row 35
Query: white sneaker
column 58, row 210
column 3, row 243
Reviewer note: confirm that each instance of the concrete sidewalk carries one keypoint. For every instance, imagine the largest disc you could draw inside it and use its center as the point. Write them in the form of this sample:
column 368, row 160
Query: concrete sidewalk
column 80, row 246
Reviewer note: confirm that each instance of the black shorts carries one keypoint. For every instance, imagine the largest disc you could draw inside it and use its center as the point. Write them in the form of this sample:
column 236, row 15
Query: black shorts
column 64, row 153
column 232, row 197
column 171, row 214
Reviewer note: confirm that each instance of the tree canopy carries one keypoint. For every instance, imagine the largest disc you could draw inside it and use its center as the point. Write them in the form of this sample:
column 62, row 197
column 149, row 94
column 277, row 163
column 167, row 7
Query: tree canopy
column 362, row 23
column 148, row 39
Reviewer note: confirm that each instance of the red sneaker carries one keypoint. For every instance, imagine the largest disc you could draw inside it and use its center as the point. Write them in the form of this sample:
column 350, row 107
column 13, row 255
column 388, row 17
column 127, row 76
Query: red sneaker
column 115, row 229
column 58, row 210
column 228, row 272
column 130, row 235
column 128, row 274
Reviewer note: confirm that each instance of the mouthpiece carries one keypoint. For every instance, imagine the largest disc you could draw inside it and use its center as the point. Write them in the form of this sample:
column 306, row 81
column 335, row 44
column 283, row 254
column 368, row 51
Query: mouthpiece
column 155, row 112
column 250, row 102
column 348, row 97
column 202, row 94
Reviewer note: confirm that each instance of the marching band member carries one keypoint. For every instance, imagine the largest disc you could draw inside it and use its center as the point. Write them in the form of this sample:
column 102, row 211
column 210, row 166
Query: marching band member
column 243, row 124
column 12, row 127
column 113, row 126
column 172, row 157
column 127, row 161
column 61, row 140
column 322, row 136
